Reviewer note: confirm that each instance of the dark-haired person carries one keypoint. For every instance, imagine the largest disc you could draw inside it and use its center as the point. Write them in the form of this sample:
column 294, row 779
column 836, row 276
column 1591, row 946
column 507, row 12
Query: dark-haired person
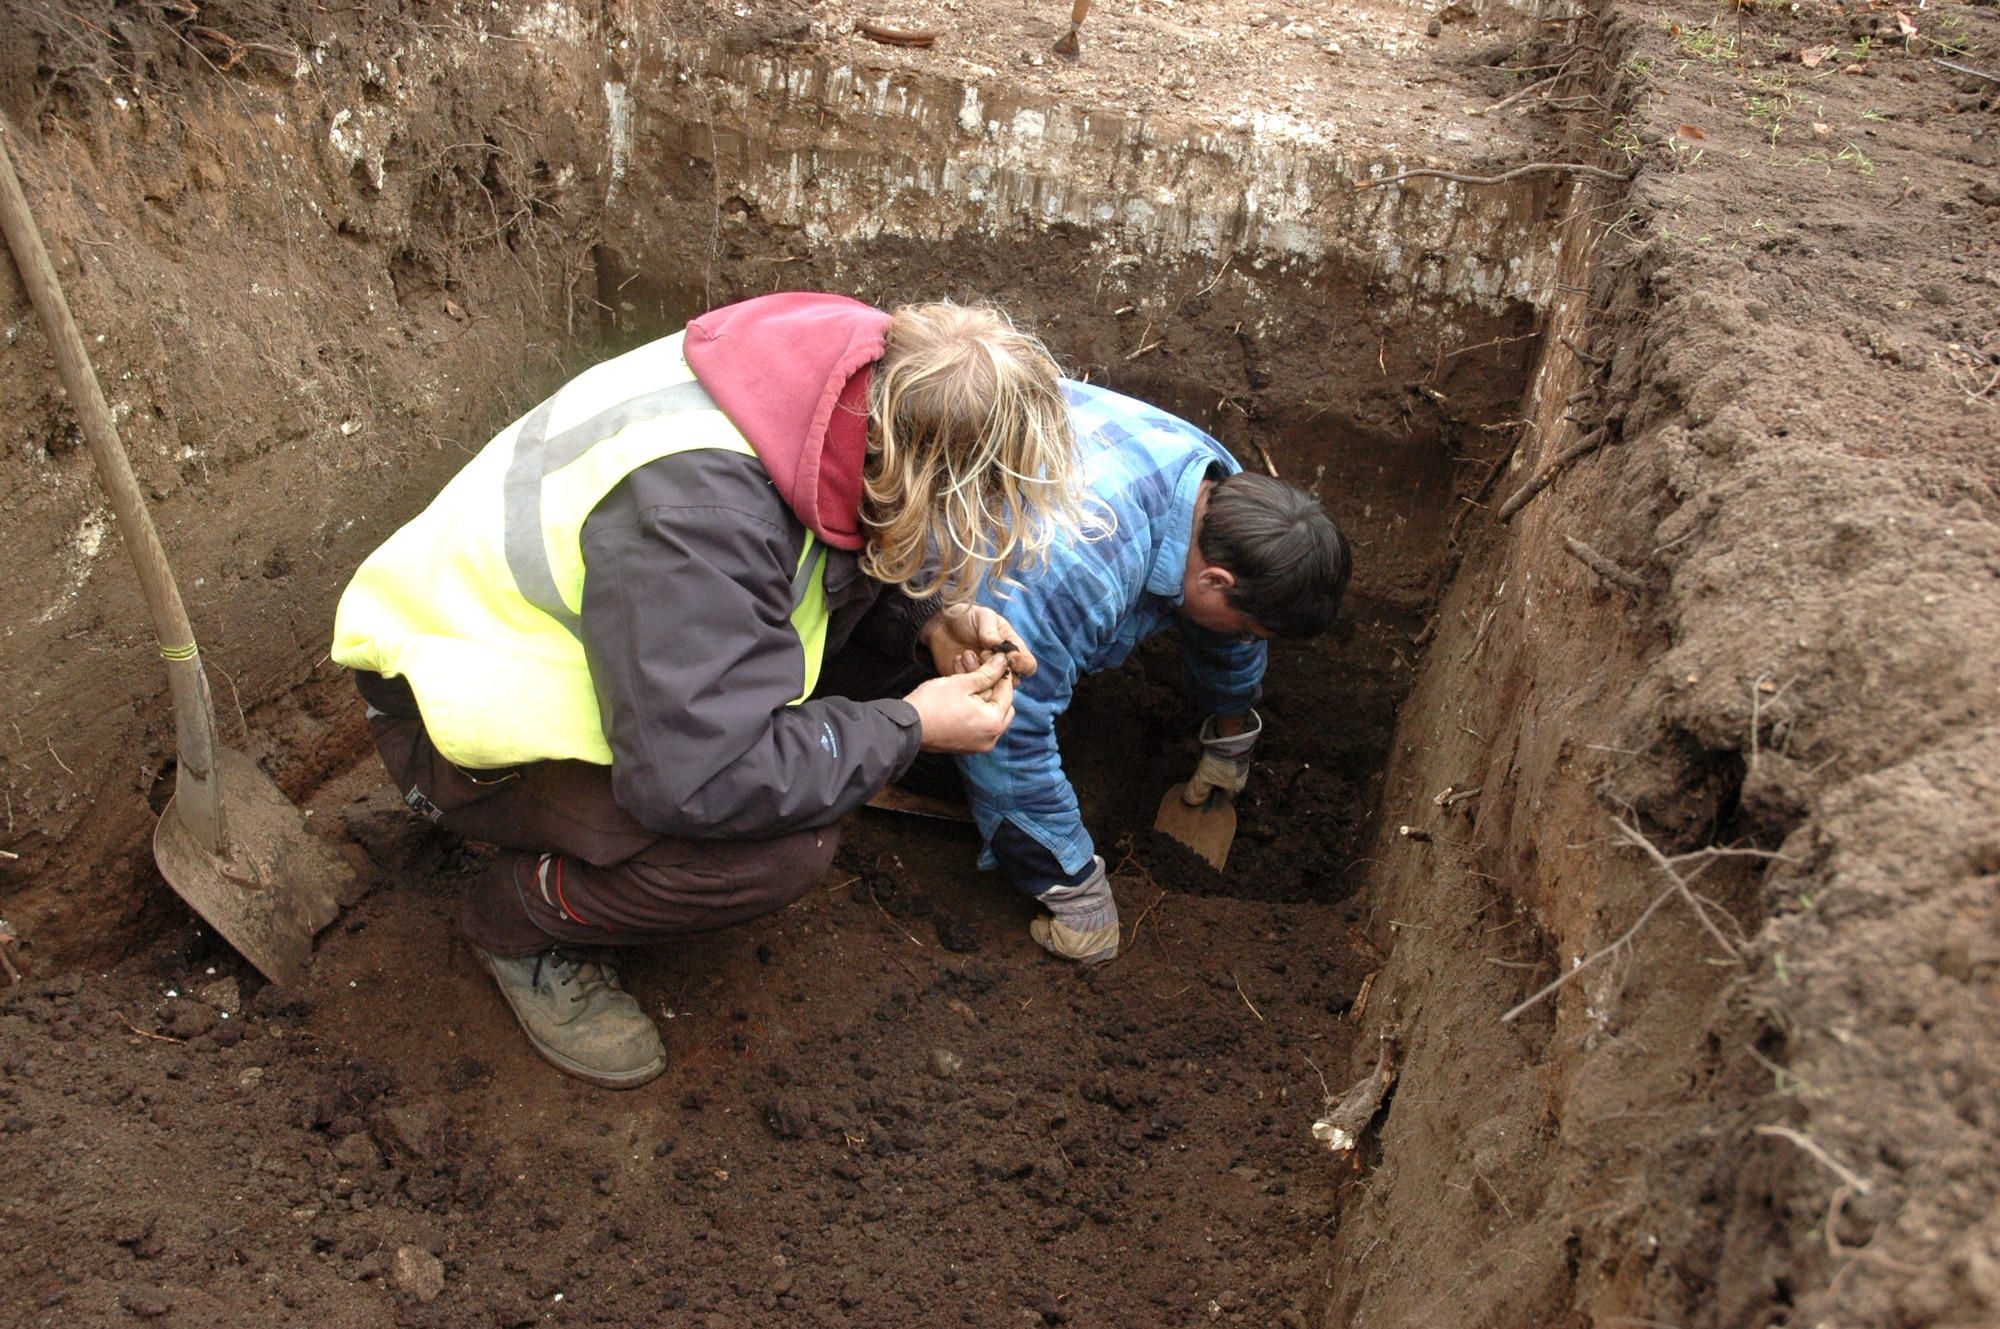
column 1175, row 533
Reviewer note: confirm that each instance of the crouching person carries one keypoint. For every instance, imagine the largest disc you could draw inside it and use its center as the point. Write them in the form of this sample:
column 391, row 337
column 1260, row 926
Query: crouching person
column 598, row 647
column 1176, row 535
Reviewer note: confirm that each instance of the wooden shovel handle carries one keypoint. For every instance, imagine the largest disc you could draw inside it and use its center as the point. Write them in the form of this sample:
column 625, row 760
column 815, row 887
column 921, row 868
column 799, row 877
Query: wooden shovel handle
column 193, row 714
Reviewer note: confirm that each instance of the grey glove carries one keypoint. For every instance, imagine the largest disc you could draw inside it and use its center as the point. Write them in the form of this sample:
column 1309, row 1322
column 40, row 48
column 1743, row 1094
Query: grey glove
column 1084, row 922
column 1225, row 761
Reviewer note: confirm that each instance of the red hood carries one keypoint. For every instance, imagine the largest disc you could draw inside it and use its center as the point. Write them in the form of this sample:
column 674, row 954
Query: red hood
column 791, row 372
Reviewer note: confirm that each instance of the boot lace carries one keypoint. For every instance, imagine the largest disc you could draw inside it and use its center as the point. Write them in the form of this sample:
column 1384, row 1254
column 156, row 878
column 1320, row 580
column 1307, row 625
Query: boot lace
column 587, row 977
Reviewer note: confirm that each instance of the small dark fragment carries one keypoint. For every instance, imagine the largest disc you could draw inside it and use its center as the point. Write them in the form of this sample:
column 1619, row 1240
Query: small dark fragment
column 953, row 933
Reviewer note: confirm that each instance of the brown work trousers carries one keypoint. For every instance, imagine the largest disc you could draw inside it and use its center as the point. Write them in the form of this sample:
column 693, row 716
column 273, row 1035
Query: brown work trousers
column 575, row 870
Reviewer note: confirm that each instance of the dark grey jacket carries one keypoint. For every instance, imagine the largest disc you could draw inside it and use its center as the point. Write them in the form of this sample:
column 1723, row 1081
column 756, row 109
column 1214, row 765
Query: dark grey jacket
column 687, row 601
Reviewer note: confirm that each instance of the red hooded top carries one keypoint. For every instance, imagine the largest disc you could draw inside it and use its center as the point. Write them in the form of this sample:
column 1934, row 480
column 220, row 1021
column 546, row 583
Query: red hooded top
column 791, row 372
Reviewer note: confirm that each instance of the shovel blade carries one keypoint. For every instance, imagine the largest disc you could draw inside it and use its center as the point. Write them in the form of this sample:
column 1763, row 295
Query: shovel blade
column 276, row 886
column 1207, row 828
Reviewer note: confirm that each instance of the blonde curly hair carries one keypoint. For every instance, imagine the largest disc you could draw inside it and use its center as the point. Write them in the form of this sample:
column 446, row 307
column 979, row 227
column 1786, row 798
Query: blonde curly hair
column 972, row 470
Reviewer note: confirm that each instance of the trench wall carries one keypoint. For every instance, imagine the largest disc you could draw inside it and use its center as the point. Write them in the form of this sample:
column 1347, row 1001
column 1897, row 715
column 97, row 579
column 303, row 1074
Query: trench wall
column 1780, row 666
column 1515, row 1147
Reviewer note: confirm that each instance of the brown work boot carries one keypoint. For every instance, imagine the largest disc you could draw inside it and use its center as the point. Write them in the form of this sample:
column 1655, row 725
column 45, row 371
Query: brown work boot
column 578, row 1018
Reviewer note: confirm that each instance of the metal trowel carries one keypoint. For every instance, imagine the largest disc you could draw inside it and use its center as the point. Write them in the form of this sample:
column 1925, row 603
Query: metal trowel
column 1208, row 828
column 230, row 842
column 894, row 798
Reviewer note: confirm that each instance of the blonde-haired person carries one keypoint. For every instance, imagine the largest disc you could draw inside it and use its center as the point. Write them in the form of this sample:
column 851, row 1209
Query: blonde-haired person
column 600, row 647
column 969, row 410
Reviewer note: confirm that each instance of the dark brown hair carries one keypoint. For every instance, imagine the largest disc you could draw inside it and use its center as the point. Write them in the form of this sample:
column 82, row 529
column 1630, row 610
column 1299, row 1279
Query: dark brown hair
column 1289, row 559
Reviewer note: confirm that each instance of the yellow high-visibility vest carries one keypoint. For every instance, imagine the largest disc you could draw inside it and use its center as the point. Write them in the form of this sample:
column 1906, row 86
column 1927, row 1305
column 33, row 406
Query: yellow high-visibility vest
column 478, row 600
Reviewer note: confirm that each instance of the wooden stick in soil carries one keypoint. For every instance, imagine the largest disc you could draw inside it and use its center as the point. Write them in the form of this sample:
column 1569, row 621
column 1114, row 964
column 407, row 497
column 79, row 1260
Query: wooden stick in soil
column 1541, row 479
column 1246, row 998
column 1577, row 168
column 158, row 1038
column 1132, row 942
column 1812, row 1146
column 1593, row 361
column 876, row 900
column 1593, row 957
column 1957, row 68
column 1638, row 840
column 891, row 35
column 1609, row 569
column 1681, row 886
column 1507, row 101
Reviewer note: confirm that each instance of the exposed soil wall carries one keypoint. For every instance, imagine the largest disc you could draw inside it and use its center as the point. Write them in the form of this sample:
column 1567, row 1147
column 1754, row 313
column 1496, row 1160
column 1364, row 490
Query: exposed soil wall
column 298, row 338
column 1770, row 1114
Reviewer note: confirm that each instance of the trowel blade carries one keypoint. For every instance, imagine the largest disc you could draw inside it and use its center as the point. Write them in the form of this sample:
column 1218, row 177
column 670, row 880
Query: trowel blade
column 891, row 798
column 277, row 886
column 1207, row 828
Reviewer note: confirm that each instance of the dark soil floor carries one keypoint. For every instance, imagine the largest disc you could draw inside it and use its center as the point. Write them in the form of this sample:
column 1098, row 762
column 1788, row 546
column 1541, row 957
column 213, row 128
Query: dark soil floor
column 860, row 1125
column 885, row 1106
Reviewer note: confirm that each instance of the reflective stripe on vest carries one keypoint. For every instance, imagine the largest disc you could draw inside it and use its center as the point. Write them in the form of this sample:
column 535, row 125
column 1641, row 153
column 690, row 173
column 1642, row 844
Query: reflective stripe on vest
column 476, row 602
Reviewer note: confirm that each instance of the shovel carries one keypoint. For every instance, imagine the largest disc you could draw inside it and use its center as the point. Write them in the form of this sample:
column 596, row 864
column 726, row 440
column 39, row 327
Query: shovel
column 257, row 875
column 1208, row 828
column 1067, row 44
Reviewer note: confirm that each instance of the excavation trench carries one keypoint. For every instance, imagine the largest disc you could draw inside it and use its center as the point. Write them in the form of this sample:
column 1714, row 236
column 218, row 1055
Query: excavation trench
column 883, row 1102
column 1169, row 331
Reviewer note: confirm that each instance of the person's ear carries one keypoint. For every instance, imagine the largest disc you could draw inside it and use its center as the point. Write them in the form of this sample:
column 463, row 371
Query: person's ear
column 1216, row 578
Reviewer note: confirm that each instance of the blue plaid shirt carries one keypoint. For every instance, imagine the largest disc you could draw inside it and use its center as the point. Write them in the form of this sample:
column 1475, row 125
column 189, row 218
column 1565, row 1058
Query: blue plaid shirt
column 1094, row 602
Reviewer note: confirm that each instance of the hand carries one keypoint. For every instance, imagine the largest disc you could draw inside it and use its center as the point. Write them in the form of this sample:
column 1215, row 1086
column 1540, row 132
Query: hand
column 1226, row 743
column 962, row 636
column 966, row 712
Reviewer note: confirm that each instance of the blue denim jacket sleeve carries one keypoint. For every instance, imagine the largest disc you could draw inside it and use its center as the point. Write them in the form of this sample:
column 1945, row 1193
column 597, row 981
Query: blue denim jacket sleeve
column 1098, row 596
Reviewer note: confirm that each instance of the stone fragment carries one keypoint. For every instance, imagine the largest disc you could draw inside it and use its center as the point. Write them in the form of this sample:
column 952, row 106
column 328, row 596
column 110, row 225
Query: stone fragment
column 147, row 1303
column 222, row 995
column 411, row 1132
column 417, row 1272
